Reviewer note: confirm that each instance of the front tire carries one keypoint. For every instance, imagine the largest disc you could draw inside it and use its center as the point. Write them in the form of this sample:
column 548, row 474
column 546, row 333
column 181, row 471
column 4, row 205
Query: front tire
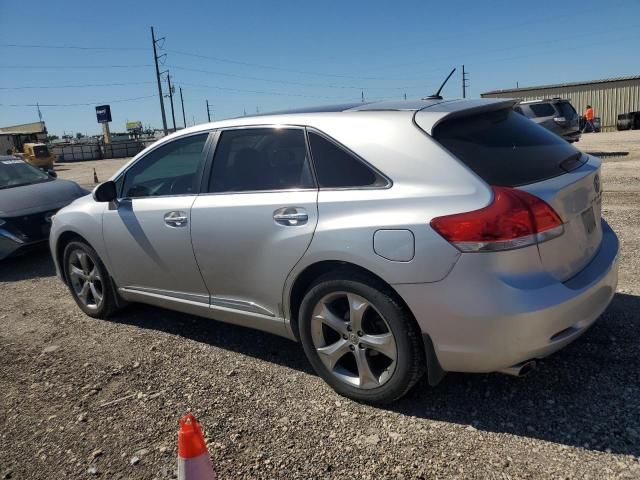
column 88, row 280
column 360, row 339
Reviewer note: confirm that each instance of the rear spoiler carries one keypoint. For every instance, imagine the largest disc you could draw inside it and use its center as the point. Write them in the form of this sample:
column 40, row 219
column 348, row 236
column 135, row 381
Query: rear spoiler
column 430, row 117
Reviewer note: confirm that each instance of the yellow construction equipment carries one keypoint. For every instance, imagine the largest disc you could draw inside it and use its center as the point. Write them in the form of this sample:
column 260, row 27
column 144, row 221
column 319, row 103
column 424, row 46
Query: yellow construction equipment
column 38, row 155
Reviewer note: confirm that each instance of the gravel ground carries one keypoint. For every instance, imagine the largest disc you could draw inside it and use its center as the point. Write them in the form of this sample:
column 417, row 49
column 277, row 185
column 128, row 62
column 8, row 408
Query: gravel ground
column 85, row 398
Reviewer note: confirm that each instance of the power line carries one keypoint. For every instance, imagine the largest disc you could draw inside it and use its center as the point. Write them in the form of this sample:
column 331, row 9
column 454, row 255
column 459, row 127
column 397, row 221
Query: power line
column 287, row 82
column 68, row 47
column 76, row 104
column 483, row 52
column 261, row 92
column 35, row 87
column 74, row 66
column 271, row 67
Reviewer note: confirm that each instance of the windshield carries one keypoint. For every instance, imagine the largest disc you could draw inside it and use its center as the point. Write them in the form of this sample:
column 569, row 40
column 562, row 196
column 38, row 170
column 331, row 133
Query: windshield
column 15, row 172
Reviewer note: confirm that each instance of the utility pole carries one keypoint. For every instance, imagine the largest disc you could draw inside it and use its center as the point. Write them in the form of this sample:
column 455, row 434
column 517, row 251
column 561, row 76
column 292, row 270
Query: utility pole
column 155, row 59
column 173, row 115
column 184, row 119
column 362, row 96
column 465, row 84
column 208, row 112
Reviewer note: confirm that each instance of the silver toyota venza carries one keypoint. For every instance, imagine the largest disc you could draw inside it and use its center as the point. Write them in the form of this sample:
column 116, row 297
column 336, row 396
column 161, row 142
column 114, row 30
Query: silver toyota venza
column 391, row 239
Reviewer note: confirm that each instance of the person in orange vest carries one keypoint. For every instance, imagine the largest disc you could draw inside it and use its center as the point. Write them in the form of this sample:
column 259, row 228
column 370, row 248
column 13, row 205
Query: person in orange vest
column 588, row 119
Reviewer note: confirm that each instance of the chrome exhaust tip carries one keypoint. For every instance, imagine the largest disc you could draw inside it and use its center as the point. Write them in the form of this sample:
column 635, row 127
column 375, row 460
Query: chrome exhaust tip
column 520, row 369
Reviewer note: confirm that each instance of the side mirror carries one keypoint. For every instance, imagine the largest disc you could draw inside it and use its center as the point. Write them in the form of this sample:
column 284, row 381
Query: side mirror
column 52, row 173
column 105, row 192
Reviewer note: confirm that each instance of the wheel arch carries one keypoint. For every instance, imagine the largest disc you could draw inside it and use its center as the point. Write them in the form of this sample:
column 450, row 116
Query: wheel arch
column 64, row 239
column 306, row 277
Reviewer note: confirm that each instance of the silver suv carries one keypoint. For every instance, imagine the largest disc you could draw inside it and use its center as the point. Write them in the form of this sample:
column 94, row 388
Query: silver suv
column 390, row 239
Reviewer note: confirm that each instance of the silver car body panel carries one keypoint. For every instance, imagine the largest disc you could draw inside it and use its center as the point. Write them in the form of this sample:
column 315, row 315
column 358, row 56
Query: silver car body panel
column 235, row 263
column 144, row 251
column 574, row 197
column 244, row 255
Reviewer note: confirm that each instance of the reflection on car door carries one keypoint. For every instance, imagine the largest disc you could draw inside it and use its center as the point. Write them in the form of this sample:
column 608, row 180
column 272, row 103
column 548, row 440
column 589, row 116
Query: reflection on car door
column 147, row 234
column 255, row 222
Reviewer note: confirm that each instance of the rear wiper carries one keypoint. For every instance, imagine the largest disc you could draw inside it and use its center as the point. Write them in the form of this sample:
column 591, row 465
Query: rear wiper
column 573, row 162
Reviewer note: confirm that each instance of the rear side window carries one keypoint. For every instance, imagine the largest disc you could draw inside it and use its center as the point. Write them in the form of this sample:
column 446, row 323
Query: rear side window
column 255, row 159
column 504, row 148
column 542, row 109
column 337, row 168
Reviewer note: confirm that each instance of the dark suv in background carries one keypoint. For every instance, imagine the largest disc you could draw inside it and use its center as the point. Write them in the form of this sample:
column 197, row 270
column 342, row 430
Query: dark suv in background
column 556, row 115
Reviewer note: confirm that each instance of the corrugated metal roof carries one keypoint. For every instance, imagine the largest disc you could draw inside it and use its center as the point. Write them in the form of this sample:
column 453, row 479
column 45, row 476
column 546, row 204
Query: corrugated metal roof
column 25, row 129
column 561, row 85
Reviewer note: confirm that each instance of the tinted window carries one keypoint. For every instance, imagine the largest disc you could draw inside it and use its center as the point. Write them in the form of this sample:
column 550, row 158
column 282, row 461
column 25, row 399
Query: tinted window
column 261, row 159
column 169, row 170
column 504, row 148
column 542, row 109
column 15, row 172
column 566, row 110
column 41, row 151
column 337, row 168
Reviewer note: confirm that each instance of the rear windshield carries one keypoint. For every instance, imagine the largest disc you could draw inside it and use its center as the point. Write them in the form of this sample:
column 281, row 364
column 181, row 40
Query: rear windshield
column 566, row 110
column 41, row 151
column 504, row 148
column 542, row 109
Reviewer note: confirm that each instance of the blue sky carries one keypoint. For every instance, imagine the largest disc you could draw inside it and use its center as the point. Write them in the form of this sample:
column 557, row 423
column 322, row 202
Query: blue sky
column 269, row 55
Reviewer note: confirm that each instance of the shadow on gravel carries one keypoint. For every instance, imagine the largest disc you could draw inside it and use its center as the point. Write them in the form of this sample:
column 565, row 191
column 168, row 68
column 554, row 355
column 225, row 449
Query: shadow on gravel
column 33, row 264
column 608, row 154
column 586, row 395
column 261, row 345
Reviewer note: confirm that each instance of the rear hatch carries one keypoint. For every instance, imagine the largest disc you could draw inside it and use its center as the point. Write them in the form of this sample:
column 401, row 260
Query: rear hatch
column 506, row 149
column 569, row 114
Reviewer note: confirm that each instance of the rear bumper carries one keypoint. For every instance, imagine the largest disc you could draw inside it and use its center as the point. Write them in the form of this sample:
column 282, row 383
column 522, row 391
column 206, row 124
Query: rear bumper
column 572, row 136
column 480, row 321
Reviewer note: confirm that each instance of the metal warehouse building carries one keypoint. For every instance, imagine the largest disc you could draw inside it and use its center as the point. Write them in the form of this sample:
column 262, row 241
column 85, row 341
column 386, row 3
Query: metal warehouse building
column 609, row 97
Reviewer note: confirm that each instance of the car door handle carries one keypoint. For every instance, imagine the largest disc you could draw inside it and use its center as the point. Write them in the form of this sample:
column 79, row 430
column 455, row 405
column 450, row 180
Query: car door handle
column 176, row 219
column 291, row 216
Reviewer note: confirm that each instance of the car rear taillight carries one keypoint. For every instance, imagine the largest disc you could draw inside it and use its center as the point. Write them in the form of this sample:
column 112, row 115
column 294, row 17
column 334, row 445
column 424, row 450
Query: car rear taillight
column 514, row 219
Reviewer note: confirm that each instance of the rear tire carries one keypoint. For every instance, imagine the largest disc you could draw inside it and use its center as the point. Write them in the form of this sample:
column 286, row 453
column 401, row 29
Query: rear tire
column 88, row 280
column 360, row 339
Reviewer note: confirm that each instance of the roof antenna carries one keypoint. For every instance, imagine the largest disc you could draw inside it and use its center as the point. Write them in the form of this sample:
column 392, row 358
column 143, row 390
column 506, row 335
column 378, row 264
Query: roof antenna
column 437, row 96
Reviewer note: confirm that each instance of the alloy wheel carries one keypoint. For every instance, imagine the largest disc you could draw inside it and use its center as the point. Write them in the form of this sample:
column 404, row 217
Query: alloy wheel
column 85, row 279
column 353, row 340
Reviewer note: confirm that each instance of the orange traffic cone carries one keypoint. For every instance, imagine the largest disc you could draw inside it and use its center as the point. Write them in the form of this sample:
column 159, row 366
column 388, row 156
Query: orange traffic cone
column 193, row 457
column 95, row 176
